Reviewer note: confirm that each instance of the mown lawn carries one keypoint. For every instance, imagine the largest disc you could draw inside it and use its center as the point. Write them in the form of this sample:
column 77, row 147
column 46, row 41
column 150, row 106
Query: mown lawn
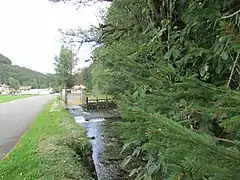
column 7, row 98
column 54, row 148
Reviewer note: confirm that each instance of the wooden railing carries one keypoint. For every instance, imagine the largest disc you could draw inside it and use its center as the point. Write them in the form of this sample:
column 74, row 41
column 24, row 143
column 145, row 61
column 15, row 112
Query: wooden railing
column 92, row 104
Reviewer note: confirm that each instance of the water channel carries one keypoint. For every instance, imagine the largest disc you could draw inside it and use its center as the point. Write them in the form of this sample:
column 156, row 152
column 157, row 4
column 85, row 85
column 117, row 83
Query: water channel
column 106, row 145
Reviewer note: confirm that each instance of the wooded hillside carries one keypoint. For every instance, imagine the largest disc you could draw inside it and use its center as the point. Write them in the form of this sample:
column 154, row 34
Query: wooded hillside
column 14, row 75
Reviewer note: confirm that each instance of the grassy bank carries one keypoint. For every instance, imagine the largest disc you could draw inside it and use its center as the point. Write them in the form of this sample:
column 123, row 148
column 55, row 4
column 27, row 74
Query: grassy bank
column 55, row 147
column 7, row 98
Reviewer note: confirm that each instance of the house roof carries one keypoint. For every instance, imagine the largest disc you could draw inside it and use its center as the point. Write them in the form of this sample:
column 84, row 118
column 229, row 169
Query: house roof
column 25, row 87
column 79, row 86
column 4, row 86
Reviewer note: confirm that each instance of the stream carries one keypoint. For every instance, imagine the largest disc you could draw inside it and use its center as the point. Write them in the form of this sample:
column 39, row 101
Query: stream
column 106, row 145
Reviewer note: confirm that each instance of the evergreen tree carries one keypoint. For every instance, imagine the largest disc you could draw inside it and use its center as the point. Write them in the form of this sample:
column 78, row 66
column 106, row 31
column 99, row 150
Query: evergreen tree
column 175, row 65
column 174, row 68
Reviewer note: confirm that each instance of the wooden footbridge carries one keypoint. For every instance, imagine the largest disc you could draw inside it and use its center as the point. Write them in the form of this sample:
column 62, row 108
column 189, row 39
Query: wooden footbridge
column 80, row 98
column 99, row 104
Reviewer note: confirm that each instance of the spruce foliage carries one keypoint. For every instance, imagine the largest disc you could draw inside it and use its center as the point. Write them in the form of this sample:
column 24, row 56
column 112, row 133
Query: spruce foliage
column 173, row 67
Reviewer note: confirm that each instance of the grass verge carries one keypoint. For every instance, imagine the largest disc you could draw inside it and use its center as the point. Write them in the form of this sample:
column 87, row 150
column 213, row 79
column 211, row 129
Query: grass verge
column 7, row 98
column 55, row 147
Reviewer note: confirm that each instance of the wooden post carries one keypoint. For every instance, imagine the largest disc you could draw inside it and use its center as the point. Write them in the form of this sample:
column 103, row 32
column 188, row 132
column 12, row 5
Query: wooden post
column 81, row 96
column 87, row 103
column 97, row 104
column 84, row 93
column 60, row 94
column 106, row 102
column 66, row 96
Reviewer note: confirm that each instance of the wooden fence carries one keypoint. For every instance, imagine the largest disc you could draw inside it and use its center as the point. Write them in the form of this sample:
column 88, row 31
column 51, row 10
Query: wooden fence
column 98, row 104
column 89, row 104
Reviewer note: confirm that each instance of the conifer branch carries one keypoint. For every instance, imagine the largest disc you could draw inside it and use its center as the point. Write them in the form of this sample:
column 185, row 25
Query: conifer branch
column 234, row 64
column 230, row 15
column 227, row 140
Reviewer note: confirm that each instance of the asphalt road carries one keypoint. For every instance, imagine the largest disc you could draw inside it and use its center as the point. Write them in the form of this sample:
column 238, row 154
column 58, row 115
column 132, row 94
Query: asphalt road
column 16, row 117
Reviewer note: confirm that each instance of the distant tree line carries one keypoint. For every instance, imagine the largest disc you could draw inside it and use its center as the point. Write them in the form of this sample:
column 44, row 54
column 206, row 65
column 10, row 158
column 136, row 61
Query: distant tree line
column 16, row 76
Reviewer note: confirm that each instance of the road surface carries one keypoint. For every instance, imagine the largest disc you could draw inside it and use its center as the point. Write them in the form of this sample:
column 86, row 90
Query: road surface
column 15, row 118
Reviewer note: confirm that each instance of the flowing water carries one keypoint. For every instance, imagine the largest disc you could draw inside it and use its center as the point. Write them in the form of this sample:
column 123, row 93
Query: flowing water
column 105, row 142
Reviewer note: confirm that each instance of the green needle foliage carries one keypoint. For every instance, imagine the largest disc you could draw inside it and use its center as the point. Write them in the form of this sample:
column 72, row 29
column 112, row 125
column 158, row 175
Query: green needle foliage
column 173, row 67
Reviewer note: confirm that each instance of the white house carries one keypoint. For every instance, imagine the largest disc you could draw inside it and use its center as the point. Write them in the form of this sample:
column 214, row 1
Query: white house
column 4, row 89
column 37, row 91
column 78, row 88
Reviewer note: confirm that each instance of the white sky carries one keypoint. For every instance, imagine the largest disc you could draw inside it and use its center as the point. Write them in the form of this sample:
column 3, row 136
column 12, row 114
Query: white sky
column 29, row 30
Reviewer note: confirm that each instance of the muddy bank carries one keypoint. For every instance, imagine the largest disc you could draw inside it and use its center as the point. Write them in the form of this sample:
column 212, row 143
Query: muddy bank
column 106, row 144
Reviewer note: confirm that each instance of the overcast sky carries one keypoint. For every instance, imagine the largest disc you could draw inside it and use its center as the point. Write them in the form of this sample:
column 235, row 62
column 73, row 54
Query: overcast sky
column 29, row 30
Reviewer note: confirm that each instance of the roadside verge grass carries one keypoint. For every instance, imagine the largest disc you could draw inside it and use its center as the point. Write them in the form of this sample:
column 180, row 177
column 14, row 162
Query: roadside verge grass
column 54, row 148
column 7, row 98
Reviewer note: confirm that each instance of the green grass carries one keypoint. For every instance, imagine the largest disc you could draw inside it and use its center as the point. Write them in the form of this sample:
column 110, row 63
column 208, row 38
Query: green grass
column 54, row 148
column 7, row 98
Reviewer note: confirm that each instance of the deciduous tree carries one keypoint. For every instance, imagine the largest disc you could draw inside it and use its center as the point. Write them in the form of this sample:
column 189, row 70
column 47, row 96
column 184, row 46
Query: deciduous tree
column 13, row 83
column 64, row 66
